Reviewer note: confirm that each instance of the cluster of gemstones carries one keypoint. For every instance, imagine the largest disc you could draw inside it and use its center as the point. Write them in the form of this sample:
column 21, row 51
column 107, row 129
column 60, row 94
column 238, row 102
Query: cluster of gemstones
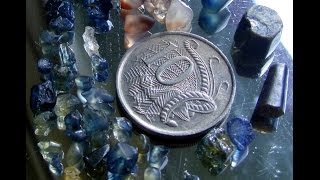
column 175, row 14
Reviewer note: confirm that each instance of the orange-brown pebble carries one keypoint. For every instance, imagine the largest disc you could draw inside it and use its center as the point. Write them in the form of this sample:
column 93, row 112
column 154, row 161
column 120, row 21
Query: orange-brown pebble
column 130, row 39
column 130, row 4
column 135, row 24
column 125, row 12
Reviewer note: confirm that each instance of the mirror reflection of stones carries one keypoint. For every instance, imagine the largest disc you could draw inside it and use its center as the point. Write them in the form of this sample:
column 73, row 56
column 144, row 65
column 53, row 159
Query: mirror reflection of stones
column 175, row 84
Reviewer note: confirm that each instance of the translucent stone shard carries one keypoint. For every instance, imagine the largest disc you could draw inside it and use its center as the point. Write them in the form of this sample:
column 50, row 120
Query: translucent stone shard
column 179, row 17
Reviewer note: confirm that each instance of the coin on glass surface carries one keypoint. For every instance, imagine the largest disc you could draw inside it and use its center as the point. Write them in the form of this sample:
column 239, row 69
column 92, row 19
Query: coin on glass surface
column 175, row 84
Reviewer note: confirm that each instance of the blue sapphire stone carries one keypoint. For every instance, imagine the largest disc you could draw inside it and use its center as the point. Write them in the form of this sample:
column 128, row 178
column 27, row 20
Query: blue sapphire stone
column 122, row 159
column 94, row 12
column 215, row 5
column 101, row 76
column 99, row 63
column 94, row 121
column 212, row 23
column 61, row 24
column 240, row 132
column 44, row 66
column 43, row 97
column 84, row 83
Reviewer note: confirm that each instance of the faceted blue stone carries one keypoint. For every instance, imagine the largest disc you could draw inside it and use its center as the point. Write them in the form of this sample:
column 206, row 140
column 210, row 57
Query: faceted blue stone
column 84, row 83
column 73, row 120
column 240, row 132
column 238, row 156
column 44, row 66
column 100, row 76
column 67, row 57
column 151, row 173
column 212, row 23
column 99, row 63
column 215, row 5
column 66, row 10
column 94, row 120
column 61, row 24
column 56, row 166
column 188, row 176
column 101, row 25
column 122, row 159
column 43, row 97
column 157, row 153
column 96, row 156
column 97, row 98
column 94, row 12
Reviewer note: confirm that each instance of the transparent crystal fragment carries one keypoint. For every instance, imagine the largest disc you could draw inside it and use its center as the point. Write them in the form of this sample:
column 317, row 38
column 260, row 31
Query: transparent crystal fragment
column 158, row 8
column 90, row 43
column 44, row 122
column 179, row 17
column 152, row 173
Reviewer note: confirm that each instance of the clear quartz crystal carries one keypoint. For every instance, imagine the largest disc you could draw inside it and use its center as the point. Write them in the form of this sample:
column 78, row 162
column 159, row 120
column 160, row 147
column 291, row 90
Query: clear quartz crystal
column 179, row 17
column 90, row 43
column 158, row 8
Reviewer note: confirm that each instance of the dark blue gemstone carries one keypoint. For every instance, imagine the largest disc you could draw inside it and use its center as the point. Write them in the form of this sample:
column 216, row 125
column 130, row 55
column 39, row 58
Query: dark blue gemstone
column 57, row 165
column 101, row 25
column 122, row 159
column 94, row 12
column 84, row 83
column 73, row 120
column 96, row 156
column 43, row 97
column 94, row 120
column 78, row 135
column 66, row 37
column 44, row 66
column 106, row 5
column 61, row 24
column 66, row 10
column 100, row 76
column 99, row 63
column 240, row 132
column 113, row 176
column 212, row 23
column 215, row 5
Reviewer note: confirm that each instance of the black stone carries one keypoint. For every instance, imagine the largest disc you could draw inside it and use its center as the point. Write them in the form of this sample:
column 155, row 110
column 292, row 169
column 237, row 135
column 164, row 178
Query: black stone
column 272, row 100
column 256, row 37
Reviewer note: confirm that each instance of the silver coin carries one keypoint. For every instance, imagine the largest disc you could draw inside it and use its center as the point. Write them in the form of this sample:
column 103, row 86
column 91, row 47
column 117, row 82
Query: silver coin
column 175, row 84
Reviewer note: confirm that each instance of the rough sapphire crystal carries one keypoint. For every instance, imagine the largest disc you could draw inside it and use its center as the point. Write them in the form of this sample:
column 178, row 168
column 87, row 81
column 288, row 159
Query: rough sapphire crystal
column 43, row 97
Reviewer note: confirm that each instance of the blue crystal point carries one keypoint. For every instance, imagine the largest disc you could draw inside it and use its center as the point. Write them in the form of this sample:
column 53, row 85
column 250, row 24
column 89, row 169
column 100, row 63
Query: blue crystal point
column 240, row 132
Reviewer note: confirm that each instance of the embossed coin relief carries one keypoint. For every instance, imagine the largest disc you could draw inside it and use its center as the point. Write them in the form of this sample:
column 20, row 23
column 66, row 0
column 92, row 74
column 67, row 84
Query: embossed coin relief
column 175, row 84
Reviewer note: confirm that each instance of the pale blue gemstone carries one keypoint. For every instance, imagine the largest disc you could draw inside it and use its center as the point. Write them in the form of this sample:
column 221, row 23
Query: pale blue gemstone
column 63, row 79
column 212, row 23
column 151, row 173
column 157, row 153
column 44, row 123
column 160, row 164
column 122, row 159
column 98, row 99
column 99, row 63
column 215, row 5
column 122, row 129
column 66, row 55
column 238, row 156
